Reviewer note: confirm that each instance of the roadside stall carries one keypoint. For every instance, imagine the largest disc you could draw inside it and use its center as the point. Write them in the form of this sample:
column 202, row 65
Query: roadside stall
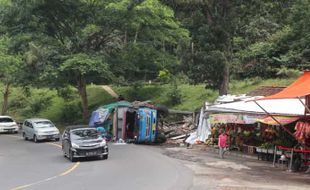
column 251, row 130
column 300, row 91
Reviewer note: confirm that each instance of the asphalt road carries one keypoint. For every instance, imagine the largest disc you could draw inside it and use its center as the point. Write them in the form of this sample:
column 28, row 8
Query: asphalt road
column 27, row 165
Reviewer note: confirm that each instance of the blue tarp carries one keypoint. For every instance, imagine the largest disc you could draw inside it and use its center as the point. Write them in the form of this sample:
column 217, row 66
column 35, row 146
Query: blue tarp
column 99, row 117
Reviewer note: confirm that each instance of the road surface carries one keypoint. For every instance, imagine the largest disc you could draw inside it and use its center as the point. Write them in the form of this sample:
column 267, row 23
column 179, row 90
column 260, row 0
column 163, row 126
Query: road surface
column 27, row 165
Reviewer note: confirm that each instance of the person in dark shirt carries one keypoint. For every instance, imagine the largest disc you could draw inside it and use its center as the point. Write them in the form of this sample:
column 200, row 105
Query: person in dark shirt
column 120, row 98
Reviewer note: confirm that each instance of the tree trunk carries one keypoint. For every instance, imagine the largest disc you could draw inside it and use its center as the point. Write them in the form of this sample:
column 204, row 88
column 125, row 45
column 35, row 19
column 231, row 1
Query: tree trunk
column 225, row 82
column 136, row 36
column 5, row 99
column 83, row 94
column 125, row 38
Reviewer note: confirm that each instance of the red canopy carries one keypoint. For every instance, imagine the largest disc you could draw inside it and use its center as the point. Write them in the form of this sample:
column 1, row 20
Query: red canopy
column 299, row 88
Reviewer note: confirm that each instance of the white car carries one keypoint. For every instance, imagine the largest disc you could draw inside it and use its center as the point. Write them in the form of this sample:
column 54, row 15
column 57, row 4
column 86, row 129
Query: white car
column 8, row 125
column 40, row 129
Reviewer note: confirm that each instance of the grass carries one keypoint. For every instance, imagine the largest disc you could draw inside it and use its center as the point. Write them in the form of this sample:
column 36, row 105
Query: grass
column 48, row 104
column 245, row 86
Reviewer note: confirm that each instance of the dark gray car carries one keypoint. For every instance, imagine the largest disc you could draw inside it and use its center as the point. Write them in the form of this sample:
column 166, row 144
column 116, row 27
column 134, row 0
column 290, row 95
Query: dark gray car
column 80, row 142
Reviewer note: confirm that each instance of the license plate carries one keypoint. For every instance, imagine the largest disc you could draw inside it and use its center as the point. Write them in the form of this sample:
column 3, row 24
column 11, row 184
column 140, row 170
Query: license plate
column 91, row 153
column 9, row 130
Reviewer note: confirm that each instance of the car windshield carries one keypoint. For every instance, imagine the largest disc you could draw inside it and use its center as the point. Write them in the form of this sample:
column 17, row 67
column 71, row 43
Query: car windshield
column 84, row 134
column 43, row 124
column 6, row 120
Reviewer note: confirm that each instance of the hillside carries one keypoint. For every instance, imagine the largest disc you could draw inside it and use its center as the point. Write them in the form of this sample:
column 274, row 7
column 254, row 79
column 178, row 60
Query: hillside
column 64, row 107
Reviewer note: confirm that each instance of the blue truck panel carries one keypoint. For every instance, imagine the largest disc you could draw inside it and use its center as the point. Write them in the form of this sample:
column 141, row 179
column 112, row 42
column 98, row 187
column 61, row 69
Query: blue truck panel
column 147, row 125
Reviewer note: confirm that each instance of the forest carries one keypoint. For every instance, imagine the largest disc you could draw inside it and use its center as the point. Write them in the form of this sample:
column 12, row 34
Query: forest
column 70, row 44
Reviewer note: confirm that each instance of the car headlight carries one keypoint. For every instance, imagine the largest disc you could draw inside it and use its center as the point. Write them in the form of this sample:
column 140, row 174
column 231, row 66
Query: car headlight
column 75, row 145
column 103, row 143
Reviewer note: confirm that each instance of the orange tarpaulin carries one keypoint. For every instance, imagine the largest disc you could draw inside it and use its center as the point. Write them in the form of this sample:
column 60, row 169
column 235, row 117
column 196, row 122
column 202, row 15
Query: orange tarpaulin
column 299, row 88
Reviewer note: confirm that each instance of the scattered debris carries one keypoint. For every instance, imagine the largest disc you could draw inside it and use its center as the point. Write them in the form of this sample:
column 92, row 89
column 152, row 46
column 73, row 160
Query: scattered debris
column 176, row 132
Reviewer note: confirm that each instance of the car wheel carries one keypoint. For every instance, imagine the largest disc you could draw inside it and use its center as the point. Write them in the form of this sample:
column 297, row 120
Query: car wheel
column 71, row 157
column 57, row 139
column 35, row 139
column 25, row 137
column 104, row 157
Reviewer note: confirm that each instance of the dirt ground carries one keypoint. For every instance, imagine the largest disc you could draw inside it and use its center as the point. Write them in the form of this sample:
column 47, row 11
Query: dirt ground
column 234, row 172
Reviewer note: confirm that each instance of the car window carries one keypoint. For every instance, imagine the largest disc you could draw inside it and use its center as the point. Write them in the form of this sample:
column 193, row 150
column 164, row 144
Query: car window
column 28, row 124
column 6, row 120
column 43, row 124
column 84, row 133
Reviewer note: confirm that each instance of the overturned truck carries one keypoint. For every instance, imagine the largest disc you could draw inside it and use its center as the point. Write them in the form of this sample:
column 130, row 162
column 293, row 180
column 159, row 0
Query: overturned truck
column 131, row 122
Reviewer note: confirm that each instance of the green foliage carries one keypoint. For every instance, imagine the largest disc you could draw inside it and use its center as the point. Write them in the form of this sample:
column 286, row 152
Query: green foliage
column 164, row 76
column 67, row 93
column 97, row 96
column 10, row 63
column 56, row 44
column 134, row 93
column 67, row 110
column 174, row 94
column 288, row 73
column 38, row 102
column 71, row 113
column 85, row 65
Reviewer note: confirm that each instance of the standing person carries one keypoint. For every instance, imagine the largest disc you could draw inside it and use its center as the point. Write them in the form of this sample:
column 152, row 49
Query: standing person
column 101, row 131
column 222, row 143
column 120, row 98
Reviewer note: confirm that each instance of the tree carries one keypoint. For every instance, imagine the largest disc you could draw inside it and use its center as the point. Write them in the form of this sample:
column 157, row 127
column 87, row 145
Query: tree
column 225, row 33
column 78, row 69
column 9, row 70
column 60, row 35
column 76, row 41
column 293, row 44
column 152, row 38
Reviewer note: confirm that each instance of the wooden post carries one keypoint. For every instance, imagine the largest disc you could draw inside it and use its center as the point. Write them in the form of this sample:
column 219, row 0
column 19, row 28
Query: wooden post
column 306, row 104
column 274, row 156
column 291, row 161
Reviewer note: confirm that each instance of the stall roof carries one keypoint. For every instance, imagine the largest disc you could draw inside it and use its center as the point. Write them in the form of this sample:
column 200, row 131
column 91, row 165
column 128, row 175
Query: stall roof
column 299, row 88
column 285, row 107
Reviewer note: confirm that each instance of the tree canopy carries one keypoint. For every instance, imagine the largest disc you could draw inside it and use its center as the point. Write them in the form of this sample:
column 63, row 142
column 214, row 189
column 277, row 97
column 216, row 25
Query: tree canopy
column 76, row 42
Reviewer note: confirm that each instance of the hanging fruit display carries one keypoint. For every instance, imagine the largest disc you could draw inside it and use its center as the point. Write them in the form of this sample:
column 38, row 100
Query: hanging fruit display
column 269, row 133
column 302, row 131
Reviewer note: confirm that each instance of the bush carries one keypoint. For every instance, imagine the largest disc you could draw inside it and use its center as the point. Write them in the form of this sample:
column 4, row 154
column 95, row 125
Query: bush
column 71, row 112
column 67, row 93
column 37, row 103
column 288, row 73
column 174, row 94
column 134, row 92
